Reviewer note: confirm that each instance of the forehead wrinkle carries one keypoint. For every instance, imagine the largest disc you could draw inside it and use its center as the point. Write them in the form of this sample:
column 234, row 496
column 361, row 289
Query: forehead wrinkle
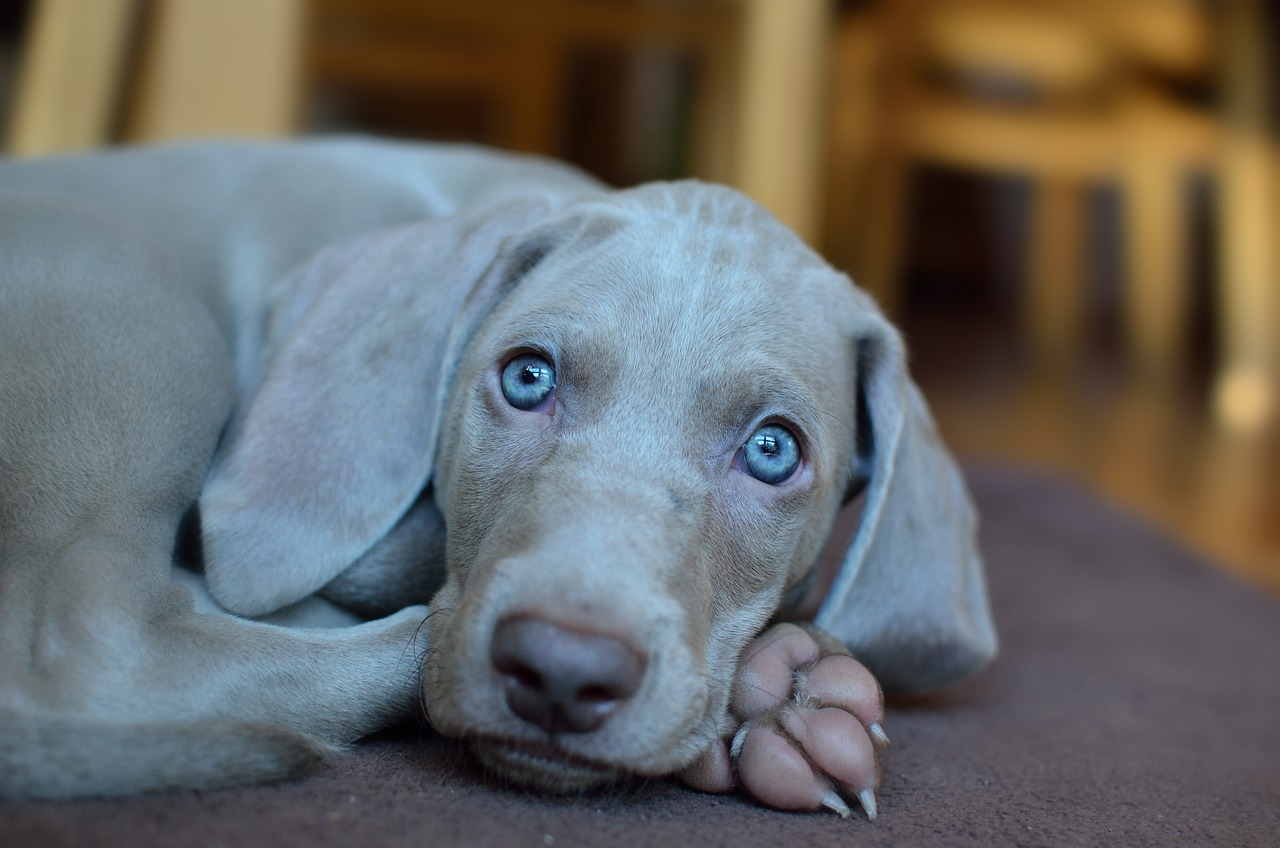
column 685, row 281
column 724, row 224
column 686, row 253
column 700, row 232
column 701, row 329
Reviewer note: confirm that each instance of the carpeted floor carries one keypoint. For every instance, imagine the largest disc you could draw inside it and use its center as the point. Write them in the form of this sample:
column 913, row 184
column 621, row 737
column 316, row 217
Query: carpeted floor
column 1136, row 701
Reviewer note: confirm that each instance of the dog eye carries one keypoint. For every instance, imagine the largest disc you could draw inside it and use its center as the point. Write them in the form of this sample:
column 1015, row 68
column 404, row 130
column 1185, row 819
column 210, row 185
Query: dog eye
column 772, row 454
column 527, row 381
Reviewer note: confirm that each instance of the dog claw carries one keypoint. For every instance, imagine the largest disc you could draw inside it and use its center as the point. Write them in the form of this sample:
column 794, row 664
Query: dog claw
column 868, row 800
column 878, row 735
column 836, row 804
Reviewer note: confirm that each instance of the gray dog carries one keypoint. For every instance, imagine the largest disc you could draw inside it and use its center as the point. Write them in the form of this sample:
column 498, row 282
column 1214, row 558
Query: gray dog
column 604, row 433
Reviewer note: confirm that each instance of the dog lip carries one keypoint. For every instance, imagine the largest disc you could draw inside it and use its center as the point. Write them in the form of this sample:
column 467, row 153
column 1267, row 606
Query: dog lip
column 543, row 764
column 549, row 752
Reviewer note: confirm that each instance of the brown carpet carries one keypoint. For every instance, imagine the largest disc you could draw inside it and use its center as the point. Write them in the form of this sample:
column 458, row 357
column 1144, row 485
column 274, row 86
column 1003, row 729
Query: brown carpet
column 1136, row 701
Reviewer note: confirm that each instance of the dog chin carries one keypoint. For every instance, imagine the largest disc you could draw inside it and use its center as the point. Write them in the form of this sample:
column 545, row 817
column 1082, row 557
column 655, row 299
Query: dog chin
column 544, row 767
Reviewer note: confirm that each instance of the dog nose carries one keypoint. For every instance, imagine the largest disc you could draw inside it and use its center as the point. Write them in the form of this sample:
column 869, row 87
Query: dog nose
column 560, row 678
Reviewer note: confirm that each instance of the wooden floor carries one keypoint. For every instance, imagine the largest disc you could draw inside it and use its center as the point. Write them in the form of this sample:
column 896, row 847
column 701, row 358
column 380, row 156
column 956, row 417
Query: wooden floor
column 1150, row 448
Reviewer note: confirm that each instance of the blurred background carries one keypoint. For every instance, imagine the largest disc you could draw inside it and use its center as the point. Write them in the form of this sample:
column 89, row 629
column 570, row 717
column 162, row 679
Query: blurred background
column 1069, row 206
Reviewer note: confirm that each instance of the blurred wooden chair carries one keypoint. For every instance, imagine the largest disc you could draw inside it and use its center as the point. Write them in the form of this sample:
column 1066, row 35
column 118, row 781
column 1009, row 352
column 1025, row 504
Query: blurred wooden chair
column 507, row 67
column 154, row 70
column 754, row 103
column 157, row 70
column 1066, row 93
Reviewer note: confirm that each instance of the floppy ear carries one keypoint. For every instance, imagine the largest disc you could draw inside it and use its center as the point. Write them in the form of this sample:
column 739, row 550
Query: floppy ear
column 339, row 434
column 910, row 599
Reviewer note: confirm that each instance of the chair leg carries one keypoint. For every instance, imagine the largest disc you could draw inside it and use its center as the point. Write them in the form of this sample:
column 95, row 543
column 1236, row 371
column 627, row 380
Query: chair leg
column 780, row 111
column 1155, row 238
column 1054, row 305
column 1249, row 300
column 856, row 127
column 883, row 237
column 72, row 69
column 224, row 68
column 1247, row 394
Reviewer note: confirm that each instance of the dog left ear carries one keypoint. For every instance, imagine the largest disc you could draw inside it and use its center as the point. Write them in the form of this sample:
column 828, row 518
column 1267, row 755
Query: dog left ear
column 910, row 599
column 339, row 434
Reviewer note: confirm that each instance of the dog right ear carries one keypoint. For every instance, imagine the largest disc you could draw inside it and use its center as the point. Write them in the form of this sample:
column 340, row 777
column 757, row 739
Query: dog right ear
column 337, row 436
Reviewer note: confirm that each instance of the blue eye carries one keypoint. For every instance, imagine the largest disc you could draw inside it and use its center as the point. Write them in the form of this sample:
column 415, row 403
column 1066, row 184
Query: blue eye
column 772, row 454
column 527, row 381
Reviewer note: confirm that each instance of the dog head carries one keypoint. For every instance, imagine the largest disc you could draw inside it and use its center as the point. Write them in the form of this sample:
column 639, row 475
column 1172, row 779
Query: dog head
column 639, row 414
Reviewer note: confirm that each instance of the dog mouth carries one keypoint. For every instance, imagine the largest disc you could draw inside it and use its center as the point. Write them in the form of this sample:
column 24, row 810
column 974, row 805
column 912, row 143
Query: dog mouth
column 543, row 765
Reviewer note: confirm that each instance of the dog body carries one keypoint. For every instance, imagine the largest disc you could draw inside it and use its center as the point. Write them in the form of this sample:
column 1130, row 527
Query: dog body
column 604, row 433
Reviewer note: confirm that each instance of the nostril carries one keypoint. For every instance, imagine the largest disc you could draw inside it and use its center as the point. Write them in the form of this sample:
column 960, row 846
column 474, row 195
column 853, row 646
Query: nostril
column 521, row 676
column 560, row 678
column 597, row 694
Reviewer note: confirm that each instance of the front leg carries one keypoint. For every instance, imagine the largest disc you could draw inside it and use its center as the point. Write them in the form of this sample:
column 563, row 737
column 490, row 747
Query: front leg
column 809, row 726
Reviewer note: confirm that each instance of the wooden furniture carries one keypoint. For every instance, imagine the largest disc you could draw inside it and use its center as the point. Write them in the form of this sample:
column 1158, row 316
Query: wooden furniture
column 1067, row 94
column 513, row 61
column 1248, row 390
column 757, row 109
column 168, row 69
column 155, row 71
column 74, row 61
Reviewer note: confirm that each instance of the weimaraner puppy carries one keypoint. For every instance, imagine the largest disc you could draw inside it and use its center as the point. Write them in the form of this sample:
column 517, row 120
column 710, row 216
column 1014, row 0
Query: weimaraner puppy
column 603, row 434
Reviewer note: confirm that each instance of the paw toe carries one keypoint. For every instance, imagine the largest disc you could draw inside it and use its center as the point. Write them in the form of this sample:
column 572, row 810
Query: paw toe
column 840, row 681
column 711, row 772
column 837, row 745
column 766, row 677
column 777, row 774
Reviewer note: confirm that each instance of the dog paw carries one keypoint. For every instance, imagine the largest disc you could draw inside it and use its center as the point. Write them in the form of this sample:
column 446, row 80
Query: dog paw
column 809, row 727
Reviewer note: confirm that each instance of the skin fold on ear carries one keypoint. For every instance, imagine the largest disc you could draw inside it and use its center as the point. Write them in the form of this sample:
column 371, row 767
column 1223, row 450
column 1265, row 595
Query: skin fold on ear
column 910, row 599
column 338, row 436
